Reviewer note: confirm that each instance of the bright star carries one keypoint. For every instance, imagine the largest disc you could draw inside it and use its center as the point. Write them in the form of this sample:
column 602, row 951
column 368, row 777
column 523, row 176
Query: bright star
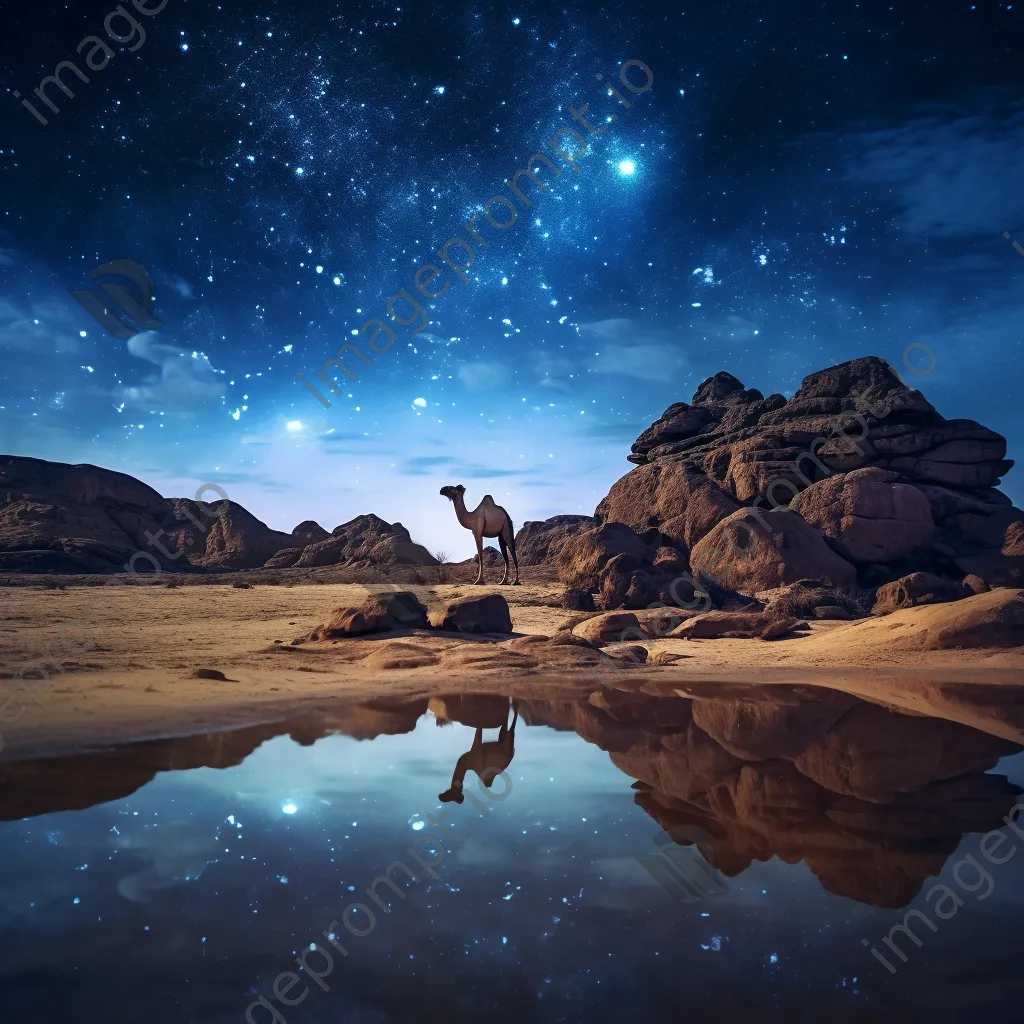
column 626, row 167
column 294, row 425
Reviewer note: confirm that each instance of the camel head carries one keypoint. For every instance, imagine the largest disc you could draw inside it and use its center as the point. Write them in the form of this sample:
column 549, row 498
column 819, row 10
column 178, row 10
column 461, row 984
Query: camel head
column 451, row 493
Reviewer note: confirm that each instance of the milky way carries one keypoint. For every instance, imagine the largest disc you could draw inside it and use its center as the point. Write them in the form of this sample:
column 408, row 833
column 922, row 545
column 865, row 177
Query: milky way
column 801, row 184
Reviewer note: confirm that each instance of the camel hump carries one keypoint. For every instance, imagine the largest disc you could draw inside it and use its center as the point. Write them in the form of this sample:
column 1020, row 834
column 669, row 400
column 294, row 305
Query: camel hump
column 487, row 498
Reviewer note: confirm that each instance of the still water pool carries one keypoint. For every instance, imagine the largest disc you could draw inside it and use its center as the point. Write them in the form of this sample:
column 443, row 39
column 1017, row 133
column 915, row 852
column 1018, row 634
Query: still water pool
column 185, row 880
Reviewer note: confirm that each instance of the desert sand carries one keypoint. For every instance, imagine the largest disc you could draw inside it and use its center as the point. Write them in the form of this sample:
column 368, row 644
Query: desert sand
column 139, row 679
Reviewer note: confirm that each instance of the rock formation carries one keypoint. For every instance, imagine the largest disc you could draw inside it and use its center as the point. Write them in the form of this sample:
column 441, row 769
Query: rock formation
column 540, row 540
column 59, row 518
column 365, row 542
column 854, row 482
column 234, row 539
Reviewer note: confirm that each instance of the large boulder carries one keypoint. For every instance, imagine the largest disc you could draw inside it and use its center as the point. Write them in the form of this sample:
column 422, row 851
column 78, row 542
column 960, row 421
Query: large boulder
column 917, row 588
column 868, row 515
column 379, row 613
column 1013, row 539
column 583, row 556
column 486, row 614
column 540, row 540
column 680, row 501
column 753, row 551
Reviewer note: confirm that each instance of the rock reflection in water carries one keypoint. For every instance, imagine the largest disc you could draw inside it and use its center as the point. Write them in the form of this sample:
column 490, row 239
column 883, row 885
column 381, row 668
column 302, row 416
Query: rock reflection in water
column 871, row 800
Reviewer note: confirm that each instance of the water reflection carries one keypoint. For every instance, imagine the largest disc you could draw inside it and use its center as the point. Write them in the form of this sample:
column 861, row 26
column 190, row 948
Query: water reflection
column 760, row 828
column 486, row 759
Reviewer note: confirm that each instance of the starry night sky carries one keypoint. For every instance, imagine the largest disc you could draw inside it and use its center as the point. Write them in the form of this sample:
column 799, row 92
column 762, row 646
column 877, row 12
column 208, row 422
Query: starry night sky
column 804, row 183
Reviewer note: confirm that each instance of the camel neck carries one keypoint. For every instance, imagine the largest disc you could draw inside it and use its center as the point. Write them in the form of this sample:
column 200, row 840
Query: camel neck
column 461, row 512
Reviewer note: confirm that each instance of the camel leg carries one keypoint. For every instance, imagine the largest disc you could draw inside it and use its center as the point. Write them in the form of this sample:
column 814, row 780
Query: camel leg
column 504, row 555
column 515, row 559
column 478, row 537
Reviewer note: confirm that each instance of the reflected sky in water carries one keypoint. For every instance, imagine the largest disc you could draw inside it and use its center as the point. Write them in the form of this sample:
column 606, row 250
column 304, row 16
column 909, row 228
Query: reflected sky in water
column 185, row 900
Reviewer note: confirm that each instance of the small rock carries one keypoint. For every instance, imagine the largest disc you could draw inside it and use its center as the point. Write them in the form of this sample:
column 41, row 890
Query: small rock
column 833, row 611
column 917, row 588
column 210, row 673
column 487, row 614
column 379, row 613
column 610, row 627
column 666, row 658
column 634, row 654
column 975, row 584
column 780, row 628
column 579, row 600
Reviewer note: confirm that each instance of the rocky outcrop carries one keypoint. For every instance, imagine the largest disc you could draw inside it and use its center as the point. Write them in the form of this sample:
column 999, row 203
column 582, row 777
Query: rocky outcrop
column 308, row 532
column 60, row 518
column 235, row 539
column 995, row 619
column 540, row 540
column 868, row 465
column 284, row 559
column 366, row 542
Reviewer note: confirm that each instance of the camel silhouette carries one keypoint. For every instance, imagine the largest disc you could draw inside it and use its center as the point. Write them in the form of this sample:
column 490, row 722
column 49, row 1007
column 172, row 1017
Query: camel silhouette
column 486, row 759
column 486, row 520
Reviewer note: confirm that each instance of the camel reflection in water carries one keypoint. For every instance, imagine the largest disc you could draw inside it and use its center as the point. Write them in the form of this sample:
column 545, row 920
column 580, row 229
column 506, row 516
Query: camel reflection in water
column 488, row 759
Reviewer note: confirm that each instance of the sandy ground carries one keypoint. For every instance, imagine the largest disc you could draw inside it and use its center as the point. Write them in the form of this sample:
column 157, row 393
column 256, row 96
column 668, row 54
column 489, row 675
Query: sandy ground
column 130, row 674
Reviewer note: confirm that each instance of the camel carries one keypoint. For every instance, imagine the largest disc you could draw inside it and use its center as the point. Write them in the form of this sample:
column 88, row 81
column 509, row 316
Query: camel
column 486, row 759
column 486, row 520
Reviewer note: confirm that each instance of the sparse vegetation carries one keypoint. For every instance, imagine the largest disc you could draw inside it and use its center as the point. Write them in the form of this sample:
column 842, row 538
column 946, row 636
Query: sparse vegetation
column 443, row 568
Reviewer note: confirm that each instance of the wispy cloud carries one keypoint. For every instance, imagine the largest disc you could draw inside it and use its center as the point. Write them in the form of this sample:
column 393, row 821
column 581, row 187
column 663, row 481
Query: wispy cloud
column 626, row 348
column 186, row 381
column 423, row 464
column 483, row 376
column 955, row 175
